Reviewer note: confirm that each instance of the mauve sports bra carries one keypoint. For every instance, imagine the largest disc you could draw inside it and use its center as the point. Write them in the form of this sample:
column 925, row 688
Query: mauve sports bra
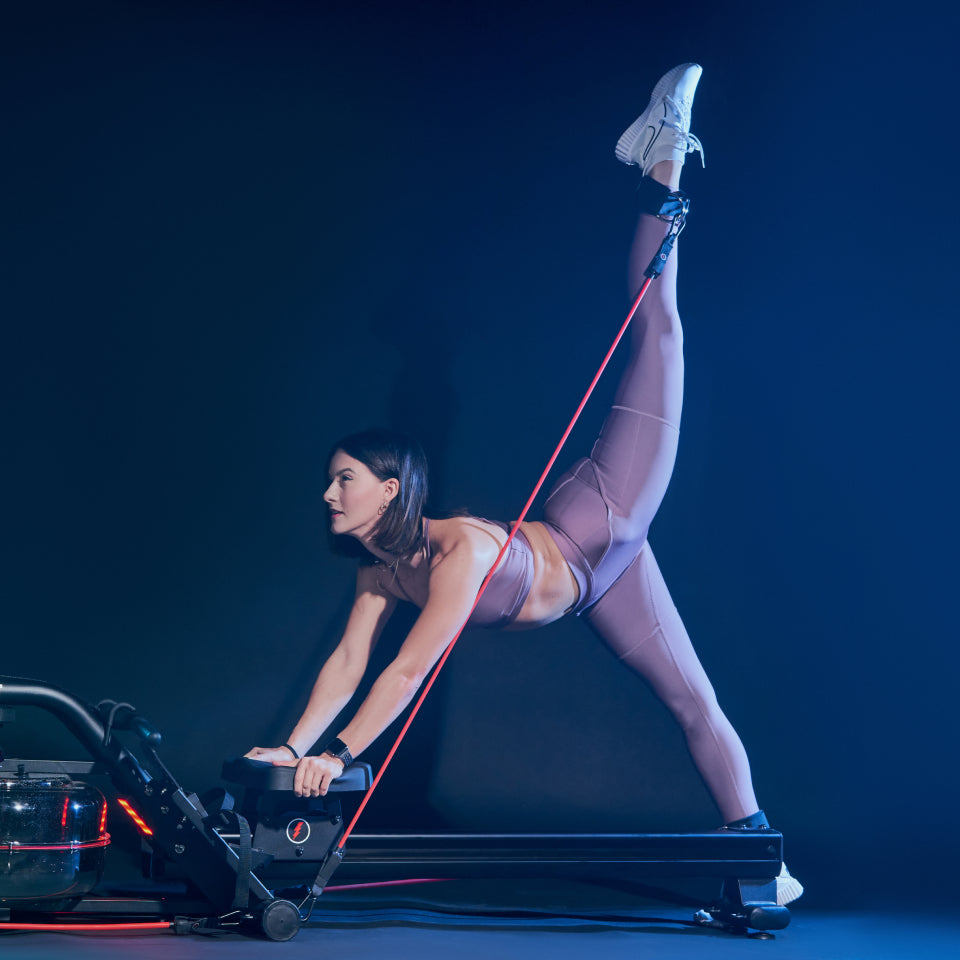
column 508, row 588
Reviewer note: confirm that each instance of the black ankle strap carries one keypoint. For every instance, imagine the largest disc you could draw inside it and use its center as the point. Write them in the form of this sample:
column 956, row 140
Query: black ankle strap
column 659, row 200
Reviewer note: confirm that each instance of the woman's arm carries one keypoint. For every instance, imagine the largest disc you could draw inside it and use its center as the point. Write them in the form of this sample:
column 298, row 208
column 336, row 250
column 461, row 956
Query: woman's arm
column 343, row 670
column 454, row 583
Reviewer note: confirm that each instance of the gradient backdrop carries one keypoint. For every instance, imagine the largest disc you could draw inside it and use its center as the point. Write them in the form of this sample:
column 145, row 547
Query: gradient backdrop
column 236, row 231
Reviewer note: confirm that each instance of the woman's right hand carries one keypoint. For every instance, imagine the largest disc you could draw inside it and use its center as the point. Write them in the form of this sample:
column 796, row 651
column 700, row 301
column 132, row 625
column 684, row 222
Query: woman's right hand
column 314, row 774
column 269, row 754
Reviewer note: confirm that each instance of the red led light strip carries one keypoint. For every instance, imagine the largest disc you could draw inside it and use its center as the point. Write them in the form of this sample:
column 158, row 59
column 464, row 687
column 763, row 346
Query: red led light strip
column 135, row 817
column 15, row 847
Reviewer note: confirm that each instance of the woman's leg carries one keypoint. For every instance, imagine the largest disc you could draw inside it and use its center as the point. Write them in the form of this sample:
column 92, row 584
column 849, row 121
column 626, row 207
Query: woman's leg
column 630, row 468
column 636, row 617
column 604, row 504
column 633, row 460
column 602, row 507
column 638, row 621
column 635, row 452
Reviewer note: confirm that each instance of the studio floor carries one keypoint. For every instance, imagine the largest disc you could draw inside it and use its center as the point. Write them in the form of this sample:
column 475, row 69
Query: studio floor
column 516, row 921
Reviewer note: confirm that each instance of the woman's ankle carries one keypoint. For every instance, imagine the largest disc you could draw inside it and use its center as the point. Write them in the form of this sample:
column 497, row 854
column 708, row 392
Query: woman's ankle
column 666, row 172
column 756, row 821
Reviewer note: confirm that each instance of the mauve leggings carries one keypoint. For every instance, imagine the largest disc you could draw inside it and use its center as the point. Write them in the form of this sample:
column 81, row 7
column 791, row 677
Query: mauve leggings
column 601, row 510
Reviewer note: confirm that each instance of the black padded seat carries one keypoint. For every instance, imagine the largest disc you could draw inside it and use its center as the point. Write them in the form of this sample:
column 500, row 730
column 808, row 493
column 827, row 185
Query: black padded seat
column 264, row 776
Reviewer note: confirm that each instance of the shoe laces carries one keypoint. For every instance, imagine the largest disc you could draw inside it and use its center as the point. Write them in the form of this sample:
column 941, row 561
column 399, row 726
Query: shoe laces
column 687, row 141
column 681, row 109
column 695, row 146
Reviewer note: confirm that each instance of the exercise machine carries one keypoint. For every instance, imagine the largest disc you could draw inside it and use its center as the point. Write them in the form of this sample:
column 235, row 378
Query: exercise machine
column 261, row 864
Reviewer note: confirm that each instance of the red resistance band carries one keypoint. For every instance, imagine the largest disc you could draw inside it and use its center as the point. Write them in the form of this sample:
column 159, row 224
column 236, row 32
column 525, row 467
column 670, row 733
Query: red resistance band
column 446, row 653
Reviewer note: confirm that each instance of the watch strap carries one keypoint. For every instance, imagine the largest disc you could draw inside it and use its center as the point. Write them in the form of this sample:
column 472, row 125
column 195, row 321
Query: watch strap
column 337, row 748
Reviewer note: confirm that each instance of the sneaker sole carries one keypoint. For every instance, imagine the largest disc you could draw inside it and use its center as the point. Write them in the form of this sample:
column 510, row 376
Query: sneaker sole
column 788, row 890
column 630, row 136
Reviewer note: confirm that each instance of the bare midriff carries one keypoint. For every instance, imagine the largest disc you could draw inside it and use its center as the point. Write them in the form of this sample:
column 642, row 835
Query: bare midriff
column 554, row 590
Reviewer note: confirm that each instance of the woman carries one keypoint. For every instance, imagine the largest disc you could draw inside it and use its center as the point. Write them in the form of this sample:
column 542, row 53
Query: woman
column 588, row 556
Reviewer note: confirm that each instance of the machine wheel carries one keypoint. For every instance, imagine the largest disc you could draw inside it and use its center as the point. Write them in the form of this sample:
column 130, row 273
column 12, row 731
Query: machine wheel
column 769, row 917
column 280, row 920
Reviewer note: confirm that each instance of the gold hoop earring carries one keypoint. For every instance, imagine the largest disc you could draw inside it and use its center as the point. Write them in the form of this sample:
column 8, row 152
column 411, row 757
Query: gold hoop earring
column 382, row 510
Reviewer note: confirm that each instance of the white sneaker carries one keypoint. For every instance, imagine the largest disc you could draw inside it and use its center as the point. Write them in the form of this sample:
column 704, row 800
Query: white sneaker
column 662, row 131
column 788, row 888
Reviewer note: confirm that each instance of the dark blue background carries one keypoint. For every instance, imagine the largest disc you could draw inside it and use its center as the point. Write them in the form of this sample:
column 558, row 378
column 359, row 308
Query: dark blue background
column 236, row 231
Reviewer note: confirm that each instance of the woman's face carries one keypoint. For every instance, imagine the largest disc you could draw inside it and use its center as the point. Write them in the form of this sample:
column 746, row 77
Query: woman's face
column 355, row 496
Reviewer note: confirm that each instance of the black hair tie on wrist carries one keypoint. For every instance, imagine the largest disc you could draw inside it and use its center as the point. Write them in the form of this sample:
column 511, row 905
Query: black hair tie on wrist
column 296, row 756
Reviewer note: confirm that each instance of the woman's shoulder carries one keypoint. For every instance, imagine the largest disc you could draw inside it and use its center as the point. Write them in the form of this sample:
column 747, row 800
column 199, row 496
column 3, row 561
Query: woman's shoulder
column 460, row 523
column 448, row 533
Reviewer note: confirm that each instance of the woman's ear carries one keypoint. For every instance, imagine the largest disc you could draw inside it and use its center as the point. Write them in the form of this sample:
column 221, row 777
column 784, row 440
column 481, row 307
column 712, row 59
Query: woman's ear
column 391, row 488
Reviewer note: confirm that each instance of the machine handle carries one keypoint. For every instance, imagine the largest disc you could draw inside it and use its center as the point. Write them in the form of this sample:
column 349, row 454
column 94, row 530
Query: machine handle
column 141, row 726
column 123, row 716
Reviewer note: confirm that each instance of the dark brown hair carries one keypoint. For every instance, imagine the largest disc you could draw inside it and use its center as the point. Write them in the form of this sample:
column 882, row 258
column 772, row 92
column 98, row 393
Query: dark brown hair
column 388, row 454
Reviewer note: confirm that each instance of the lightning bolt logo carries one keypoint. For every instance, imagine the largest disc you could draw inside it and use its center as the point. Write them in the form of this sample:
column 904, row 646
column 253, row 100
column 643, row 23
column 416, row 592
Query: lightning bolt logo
column 298, row 831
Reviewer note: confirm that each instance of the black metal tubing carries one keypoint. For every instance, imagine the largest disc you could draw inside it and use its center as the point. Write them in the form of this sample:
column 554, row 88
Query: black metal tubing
column 78, row 717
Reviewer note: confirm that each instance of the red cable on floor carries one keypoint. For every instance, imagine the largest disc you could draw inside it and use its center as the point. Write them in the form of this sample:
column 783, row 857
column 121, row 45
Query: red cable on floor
column 385, row 883
column 87, row 927
column 503, row 550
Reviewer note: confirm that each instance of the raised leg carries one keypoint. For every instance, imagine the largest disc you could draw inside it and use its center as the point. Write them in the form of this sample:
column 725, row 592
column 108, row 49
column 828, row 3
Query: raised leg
column 635, row 452
column 603, row 506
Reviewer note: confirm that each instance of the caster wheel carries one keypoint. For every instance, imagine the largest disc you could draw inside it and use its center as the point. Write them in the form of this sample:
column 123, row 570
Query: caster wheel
column 769, row 918
column 280, row 920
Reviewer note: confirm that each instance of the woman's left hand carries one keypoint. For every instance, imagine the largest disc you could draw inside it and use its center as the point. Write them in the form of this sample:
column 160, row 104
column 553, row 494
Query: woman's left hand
column 269, row 754
column 314, row 774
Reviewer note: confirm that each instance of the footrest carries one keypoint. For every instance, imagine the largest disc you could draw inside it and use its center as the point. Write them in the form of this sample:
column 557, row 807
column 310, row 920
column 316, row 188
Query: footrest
column 264, row 776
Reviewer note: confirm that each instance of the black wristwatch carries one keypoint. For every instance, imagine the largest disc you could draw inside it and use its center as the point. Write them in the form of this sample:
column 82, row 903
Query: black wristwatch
column 337, row 748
